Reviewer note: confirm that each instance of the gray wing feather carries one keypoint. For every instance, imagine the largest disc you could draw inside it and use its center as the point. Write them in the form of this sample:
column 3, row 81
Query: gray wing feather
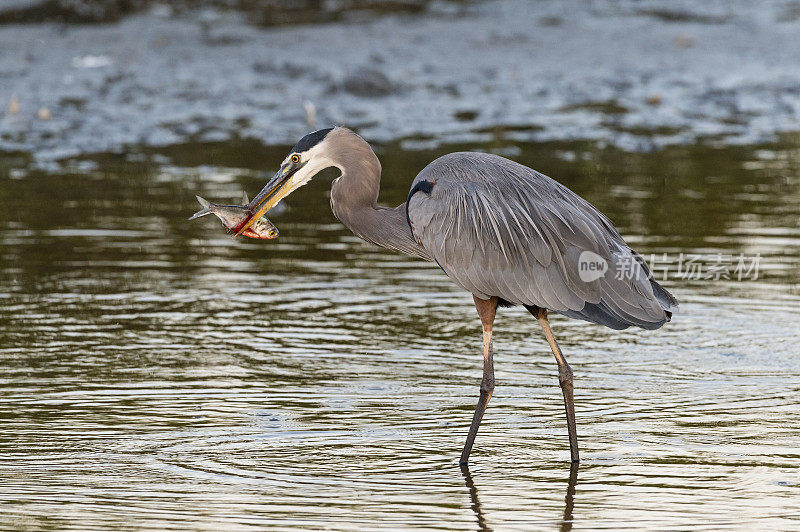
column 498, row 228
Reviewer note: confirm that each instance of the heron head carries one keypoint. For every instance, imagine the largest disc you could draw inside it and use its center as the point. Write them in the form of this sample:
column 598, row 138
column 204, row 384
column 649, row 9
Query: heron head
column 307, row 158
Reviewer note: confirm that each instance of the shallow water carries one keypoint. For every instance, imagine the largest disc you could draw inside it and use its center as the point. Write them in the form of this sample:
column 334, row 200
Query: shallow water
column 156, row 373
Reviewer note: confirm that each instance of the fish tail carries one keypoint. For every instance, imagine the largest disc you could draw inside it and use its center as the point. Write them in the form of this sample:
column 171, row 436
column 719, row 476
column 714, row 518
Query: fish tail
column 202, row 212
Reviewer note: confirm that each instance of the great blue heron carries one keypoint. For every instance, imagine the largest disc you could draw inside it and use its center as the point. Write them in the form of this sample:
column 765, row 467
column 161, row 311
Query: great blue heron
column 504, row 232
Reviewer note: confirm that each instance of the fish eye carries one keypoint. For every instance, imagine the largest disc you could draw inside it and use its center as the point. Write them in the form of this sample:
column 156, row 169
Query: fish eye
column 295, row 158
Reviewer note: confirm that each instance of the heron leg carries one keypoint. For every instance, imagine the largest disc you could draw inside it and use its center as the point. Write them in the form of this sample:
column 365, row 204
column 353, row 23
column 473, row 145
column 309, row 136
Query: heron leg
column 487, row 309
column 564, row 379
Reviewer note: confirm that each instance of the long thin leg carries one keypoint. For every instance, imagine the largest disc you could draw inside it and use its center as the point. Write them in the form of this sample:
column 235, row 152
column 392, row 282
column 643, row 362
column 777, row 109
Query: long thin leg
column 487, row 309
column 564, row 379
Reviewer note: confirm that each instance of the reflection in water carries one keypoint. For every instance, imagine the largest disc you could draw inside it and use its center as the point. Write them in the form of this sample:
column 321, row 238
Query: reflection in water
column 473, row 497
column 155, row 371
column 569, row 500
column 565, row 524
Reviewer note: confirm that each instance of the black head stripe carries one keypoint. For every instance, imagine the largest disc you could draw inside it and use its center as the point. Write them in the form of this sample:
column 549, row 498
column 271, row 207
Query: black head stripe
column 311, row 140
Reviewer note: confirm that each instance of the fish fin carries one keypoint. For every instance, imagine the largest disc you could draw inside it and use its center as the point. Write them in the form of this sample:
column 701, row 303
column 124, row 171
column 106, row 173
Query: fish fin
column 202, row 212
column 245, row 201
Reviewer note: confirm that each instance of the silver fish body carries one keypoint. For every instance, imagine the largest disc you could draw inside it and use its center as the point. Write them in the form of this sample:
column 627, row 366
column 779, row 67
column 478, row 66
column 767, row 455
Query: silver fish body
column 232, row 217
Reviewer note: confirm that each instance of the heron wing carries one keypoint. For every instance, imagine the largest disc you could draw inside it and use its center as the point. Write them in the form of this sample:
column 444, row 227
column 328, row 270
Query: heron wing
column 499, row 228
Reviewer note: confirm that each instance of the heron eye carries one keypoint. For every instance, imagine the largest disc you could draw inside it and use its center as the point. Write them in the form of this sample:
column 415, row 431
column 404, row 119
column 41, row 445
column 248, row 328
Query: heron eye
column 295, row 158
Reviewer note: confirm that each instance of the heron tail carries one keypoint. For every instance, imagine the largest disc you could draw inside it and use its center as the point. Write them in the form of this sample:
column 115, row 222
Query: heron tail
column 665, row 299
column 202, row 212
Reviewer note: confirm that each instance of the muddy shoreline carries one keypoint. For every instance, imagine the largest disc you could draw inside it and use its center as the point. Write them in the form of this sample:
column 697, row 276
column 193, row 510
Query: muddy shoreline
column 637, row 76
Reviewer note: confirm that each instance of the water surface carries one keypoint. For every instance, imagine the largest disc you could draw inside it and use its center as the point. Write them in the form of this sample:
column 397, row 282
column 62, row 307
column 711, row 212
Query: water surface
column 155, row 373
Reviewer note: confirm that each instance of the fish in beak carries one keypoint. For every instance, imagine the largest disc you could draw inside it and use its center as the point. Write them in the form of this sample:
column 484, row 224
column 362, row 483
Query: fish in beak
column 309, row 149
column 279, row 186
column 234, row 215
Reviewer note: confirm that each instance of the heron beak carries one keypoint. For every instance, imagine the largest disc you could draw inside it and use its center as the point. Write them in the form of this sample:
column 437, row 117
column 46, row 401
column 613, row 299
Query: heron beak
column 276, row 188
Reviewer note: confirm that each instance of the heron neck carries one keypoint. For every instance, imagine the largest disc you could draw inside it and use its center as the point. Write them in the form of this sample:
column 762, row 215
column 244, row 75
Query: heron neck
column 354, row 201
